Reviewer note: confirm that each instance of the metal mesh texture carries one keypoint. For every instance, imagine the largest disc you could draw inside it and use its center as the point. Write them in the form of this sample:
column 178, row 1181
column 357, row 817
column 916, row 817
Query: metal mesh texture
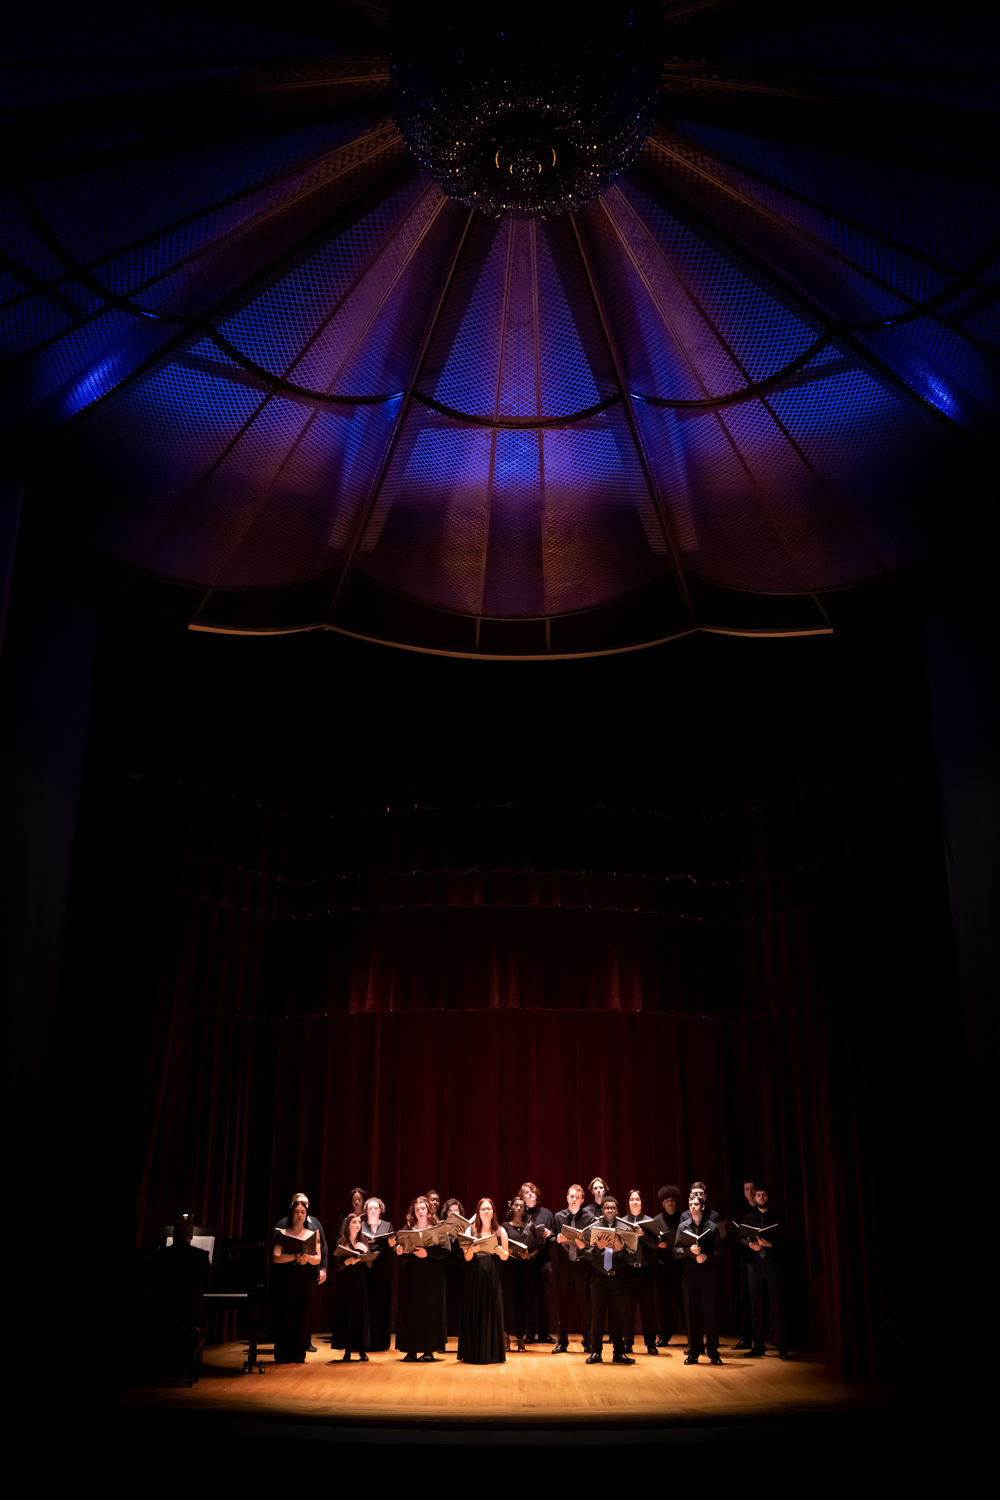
column 520, row 523
column 251, row 180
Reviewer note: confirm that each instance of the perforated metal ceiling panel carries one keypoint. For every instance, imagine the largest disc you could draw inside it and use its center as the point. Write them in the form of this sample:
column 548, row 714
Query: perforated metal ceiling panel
column 255, row 353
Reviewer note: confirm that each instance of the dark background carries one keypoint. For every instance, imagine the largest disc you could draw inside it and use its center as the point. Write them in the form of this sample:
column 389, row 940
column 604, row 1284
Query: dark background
column 257, row 994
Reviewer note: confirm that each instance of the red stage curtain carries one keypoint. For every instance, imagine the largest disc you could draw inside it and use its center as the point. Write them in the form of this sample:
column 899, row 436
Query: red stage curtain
column 464, row 997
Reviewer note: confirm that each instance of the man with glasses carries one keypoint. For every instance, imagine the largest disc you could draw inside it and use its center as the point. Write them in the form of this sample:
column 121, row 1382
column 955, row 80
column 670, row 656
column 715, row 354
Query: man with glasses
column 608, row 1291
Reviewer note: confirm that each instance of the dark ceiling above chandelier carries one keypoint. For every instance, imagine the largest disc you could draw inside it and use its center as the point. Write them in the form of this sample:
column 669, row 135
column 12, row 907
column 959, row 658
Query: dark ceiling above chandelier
column 472, row 346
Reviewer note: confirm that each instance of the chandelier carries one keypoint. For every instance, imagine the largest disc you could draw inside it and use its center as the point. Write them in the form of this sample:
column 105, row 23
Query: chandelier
column 532, row 113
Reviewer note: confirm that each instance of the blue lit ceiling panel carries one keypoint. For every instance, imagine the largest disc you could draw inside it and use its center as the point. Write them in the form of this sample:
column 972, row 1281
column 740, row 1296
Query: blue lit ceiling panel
column 251, row 345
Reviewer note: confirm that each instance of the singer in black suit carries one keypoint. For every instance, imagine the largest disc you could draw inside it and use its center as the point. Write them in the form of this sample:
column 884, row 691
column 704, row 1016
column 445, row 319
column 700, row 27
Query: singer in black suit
column 608, row 1290
column 764, row 1274
column 669, row 1271
column 700, row 1260
column 640, row 1282
column 538, row 1285
column 572, row 1273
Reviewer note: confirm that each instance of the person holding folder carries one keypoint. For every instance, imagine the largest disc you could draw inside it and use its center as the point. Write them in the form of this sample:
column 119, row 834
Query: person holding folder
column 697, row 1248
column 761, row 1237
column 608, row 1290
column 572, row 1272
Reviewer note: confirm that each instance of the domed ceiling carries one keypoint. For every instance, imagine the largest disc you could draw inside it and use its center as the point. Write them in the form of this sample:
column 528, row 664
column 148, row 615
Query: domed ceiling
column 271, row 371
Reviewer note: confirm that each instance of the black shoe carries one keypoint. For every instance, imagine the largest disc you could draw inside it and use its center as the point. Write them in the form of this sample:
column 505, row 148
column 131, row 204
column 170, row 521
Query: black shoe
column 561, row 1349
column 546, row 1338
column 652, row 1349
column 409, row 1359
column 744, row 1344
column 783, row 1354
column 663, row 1342
column 596, row 1358
column 363, row 1358
column 346, row 1355
column 622, row 1359
column 755, row 1353
column 429, row 1359
column 691, row 1359
column 714, row 1359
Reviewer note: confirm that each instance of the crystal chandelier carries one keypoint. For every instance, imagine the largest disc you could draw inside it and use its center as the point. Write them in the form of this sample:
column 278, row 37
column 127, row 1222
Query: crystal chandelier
column 531, row 113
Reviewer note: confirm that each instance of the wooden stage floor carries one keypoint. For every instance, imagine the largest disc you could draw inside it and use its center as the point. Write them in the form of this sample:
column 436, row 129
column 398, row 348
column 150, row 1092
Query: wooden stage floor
column 536, row 1389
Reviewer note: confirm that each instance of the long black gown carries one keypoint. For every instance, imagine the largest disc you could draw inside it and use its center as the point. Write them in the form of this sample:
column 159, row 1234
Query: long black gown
column 514, row 1275
column 351, row 1315
column 421, row 1327
column 290, row 1300
column 379, row 1279
column 480, row 1339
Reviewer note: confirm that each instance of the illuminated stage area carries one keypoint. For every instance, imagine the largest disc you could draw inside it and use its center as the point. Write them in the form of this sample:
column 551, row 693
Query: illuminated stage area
column 534, row 1390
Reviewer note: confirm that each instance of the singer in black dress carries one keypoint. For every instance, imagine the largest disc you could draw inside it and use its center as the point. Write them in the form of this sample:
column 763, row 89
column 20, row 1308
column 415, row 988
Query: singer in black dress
column 454, row 1272
column 516, row 1272
column 481, row 1338
column 375, row 1226
column 421, row 1325
column 295, row 1257
column 350, row 1318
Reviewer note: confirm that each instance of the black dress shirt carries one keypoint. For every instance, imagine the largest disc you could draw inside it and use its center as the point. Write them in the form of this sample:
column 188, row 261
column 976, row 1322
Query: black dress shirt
column 575, row 1221
column 710, row 1243
column 620, row 1259
column 759, row 1217
column 542, row 1218
column 645, row 1251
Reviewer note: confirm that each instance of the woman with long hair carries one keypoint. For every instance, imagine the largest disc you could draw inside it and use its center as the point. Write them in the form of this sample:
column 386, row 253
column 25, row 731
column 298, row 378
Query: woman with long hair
column 350, row 1319
column 421, row 1328
column 481, row 1339
column 375, row 1226
column 294, row 1258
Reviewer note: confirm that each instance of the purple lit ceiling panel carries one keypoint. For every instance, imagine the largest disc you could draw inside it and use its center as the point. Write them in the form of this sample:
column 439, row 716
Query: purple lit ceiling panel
column 602, row 532
column 251, row 344
column 304, row 511
column 428, row 528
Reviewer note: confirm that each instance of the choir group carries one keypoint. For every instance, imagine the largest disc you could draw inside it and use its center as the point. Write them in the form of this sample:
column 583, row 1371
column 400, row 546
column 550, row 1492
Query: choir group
column 491, row 1281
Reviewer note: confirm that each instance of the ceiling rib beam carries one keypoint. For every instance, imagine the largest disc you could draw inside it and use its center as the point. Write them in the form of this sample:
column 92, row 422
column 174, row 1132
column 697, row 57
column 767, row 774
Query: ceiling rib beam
column 882, row 367
column 300, row 354
column 361, row 525
column 623, row 391
column 223, row 305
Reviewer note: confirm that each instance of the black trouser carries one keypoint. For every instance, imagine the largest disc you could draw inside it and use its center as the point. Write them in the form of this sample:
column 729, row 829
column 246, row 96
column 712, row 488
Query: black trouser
column 701, row 1306
column 669, row 1296
column 573, row 1288
column 746, row 1316
column 765, row 1274
column 538, row 1293
column 640, row 1288
column 608, row 1296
